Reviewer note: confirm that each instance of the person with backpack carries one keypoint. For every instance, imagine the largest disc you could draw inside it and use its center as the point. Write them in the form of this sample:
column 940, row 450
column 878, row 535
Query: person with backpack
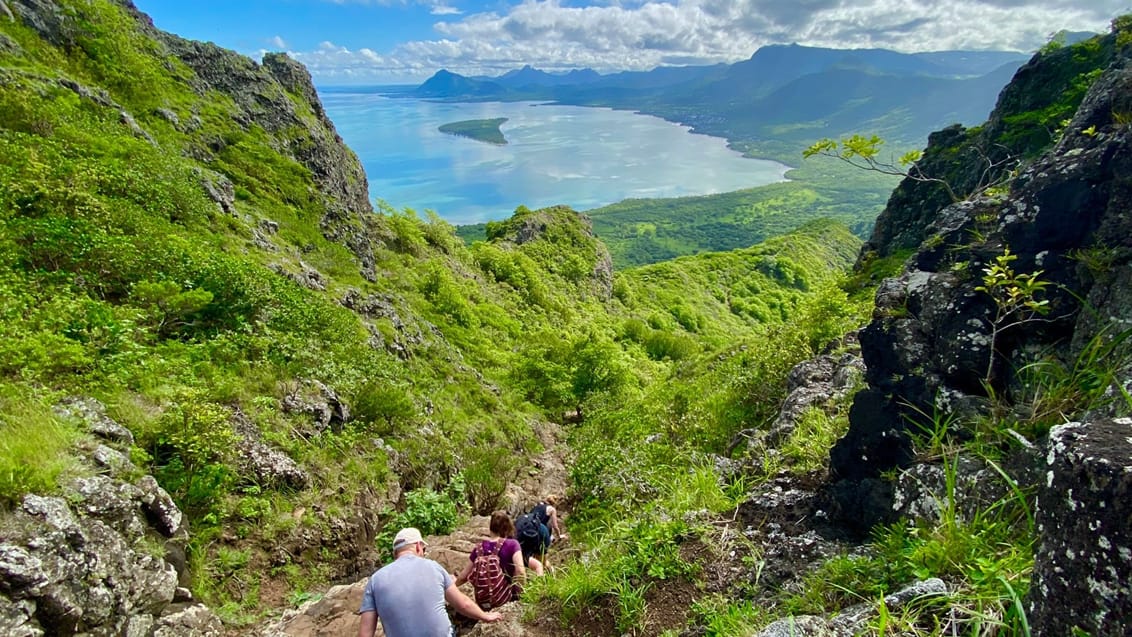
column 495, row 567
column 533, row 532
column 409, row 593
column 547, row 515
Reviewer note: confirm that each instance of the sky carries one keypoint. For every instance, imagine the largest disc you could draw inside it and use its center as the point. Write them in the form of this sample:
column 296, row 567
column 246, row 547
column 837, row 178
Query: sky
column 406, row 41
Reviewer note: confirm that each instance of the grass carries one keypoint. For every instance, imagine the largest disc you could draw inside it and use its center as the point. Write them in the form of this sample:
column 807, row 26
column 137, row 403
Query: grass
column 35, row 445
column 723, row 617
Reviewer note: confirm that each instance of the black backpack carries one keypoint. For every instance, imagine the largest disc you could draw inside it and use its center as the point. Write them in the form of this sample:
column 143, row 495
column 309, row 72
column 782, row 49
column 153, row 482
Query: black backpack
column 528, row 533
column 539, row 511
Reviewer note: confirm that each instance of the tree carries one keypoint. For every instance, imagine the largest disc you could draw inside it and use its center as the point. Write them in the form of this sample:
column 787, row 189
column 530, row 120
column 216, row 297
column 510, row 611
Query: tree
column 864, row 153
column 1015, row 299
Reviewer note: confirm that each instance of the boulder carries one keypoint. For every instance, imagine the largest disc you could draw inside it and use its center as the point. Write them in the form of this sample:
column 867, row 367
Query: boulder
column 799, row 626
column 334, row 613
column 261, row 464
column 320, row 402
column 84, row 563
column 159, row 506
column 17, row 618
column 1083, row 563
column 93, row 414
column 192, row 620
column 816, row 382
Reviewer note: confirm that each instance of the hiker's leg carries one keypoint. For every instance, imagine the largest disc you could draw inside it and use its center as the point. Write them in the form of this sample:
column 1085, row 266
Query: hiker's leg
column 535, row 565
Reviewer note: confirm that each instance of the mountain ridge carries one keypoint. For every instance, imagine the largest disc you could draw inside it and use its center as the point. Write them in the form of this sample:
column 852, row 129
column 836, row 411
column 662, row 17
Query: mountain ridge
column 714, row 99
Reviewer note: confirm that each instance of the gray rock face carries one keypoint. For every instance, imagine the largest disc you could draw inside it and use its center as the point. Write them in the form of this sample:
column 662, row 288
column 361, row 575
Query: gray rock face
column 815, row 383
column 307, row 276
column 853, row 620
column 85, row 562
column 935, row 346
column 280, row 97
column 72, row 571
column 190, row 620
column 262, row 465
column 320, row 402
column 219, row 189
column 159, row 507
column 800, row 626
column 963, row 486
column 93, row 413
column 1084, row 558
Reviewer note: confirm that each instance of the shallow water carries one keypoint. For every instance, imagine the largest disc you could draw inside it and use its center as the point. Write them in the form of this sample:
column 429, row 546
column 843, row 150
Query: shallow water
column 578, row 156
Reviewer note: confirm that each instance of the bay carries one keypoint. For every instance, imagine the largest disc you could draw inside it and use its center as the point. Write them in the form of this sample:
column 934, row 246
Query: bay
column 582, row 157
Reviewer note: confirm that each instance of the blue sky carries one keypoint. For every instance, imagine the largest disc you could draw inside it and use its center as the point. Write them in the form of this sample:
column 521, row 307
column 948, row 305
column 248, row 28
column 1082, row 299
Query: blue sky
column 406, row 41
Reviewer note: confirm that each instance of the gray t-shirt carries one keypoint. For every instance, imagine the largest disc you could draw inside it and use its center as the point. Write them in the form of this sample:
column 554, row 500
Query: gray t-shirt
column 408, row 595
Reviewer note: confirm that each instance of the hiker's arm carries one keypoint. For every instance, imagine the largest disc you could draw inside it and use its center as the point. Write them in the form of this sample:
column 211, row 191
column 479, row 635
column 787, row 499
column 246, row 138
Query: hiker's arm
column 465, row 606
column 463, row 577
column 369, row 624
column 552, row 513
column 520, row 570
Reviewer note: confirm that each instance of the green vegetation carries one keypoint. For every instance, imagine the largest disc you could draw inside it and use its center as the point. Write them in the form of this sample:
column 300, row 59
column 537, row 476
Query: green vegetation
column 482, row 130
column 126, row 275
column 34, row 445
column 643, row 231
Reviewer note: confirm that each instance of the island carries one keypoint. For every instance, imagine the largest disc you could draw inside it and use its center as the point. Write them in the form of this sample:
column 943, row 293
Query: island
column 483, row 130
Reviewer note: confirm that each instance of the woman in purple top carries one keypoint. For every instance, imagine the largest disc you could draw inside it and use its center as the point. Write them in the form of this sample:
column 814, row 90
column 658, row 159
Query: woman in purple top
column 510, row 554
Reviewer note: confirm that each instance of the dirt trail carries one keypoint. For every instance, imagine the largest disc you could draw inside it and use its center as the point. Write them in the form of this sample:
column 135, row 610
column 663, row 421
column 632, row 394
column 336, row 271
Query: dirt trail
column 333, row 613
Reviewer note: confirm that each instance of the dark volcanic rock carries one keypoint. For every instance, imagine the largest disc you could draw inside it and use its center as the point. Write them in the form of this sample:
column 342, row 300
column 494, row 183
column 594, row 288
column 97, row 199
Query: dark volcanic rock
column 84, row 562
column 936, row 346
column 1084, row 559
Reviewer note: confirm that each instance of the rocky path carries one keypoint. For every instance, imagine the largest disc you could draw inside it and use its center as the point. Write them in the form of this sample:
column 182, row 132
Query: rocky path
column 334, row 612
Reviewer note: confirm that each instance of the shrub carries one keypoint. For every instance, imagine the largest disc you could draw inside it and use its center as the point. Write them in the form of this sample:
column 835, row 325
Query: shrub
column 487, row 472
column 431, row 512
column 382, row 402
column 192, row 445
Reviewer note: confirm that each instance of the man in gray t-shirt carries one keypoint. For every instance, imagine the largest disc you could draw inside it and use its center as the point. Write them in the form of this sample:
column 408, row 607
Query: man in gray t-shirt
column 408, row 594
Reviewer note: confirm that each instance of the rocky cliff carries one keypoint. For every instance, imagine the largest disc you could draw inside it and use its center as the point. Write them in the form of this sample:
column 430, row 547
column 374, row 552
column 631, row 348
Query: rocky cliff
column 105, row 558
column 964, row 331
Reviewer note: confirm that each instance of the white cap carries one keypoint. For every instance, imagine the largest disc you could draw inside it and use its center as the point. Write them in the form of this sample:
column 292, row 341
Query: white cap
column 406, row 537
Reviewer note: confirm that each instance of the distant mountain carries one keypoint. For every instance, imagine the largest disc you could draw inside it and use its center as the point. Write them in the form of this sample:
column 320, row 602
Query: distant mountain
column 780, row 92
column 841, row 100
column 529, row 76
column 446, row 84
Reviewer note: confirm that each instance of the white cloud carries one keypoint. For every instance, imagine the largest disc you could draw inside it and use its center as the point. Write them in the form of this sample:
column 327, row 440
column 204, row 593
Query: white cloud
column 442, row 9
column 277, row 43
column 642, row 34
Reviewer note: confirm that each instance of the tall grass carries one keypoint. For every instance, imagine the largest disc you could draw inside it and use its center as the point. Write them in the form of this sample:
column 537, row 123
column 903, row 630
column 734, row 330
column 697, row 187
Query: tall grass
column 34, row 445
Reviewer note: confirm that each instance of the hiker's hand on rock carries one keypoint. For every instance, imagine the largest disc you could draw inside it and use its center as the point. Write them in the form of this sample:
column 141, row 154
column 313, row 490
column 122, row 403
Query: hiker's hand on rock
column 493, row 616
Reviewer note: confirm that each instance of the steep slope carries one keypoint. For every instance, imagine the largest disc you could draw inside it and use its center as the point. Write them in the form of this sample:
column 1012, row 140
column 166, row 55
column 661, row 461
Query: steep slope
column 1005, row 334
column 273, row 374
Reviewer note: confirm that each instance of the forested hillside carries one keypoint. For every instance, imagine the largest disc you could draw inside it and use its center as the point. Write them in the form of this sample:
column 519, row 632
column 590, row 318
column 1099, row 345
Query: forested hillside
column 226, row 380
column 187, row 241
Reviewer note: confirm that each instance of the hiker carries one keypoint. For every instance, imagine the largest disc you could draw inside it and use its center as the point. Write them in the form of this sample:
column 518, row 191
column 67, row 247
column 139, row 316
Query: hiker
column 547, row 514
column 408, row 594
column 533, row 531
column 495, row 566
